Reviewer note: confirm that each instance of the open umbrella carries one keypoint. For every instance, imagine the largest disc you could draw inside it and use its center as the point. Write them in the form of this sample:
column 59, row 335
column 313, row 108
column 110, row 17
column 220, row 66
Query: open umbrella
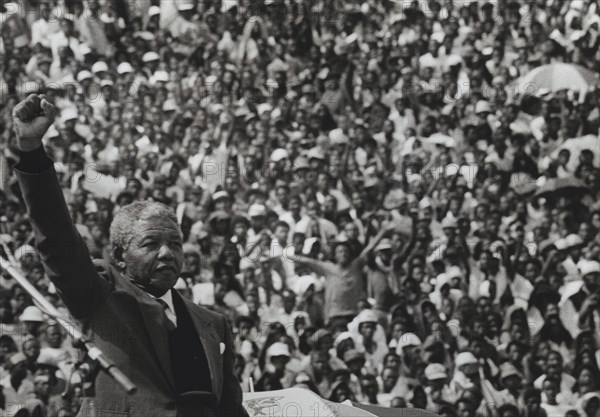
column 302, row 402
column 558, row 186
column 555, row 77
column 441, row 139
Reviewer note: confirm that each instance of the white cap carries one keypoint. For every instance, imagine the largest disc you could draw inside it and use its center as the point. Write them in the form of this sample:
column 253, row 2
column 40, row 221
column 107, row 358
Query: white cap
column 435, row 371
column 24, row 250
column 263, row 108
column 573, row 240
column 366, row 316
column 85, row 49
column 150, row 56
column 406, row 340
column 338, row 137
column 220, row 194
column 315, row 153
column 99, row 66
column 256, row 210
column 161, row 76
column 278, row 349
column 153, row 11
column 124, row 68
column 32, row 313
column 483, row 106
column 69, row 113
column 449, row 222
column 84, row 75
column 588, row 267
column 279, row 154
column 185, row 5
column 465, row 358
column 106, row 83
column 170, row 105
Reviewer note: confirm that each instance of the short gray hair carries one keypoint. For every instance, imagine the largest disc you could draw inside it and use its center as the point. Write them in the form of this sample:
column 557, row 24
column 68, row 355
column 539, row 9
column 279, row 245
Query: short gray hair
column 122, row 228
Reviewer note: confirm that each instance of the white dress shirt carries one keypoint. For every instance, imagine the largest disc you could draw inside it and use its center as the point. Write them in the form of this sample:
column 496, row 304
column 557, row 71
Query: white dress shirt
column 167, row 298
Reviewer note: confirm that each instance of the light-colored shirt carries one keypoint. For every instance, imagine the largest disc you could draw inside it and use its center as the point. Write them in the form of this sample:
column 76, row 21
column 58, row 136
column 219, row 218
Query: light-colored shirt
column 167, row 298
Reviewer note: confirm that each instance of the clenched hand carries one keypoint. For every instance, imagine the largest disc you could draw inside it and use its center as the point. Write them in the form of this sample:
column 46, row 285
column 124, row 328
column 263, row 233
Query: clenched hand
column 32, row 117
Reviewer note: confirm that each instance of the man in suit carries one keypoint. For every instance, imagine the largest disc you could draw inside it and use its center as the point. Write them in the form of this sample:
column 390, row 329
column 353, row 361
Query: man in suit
column 178, row 354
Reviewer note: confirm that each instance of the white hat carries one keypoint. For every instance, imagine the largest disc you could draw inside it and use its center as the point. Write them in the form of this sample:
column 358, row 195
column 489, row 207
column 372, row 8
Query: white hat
column 85, row 49
column 185, row 5
column 257, row 210
column 315, row 153
column 263, row 108
column 150, row 56
column 220, row 194
column 84, row 75
column 169, row 105
column 99, row 66
column 278, row 349
column 124, row 68
column 211, row 79
column 449, row 222
column 24, row 250
column 366, row 316
column 32, row 313
column 106, row 83
column 573, row 240
column 279, row 154
column 588, row 267
column 435, row 371
column 465, row 358
column 338, row 137
column 161, row 76
column 483, row 106
column 341, row 337
column 406, row 340
column 69, row 113
column 153, row 11
column 485, row 289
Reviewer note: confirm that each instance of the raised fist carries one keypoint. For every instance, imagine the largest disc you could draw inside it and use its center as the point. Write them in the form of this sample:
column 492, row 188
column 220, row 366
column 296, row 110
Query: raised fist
column 32, row 117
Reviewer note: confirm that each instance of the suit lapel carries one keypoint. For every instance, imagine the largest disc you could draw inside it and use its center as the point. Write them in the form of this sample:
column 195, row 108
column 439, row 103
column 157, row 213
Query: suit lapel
column 207, row 331
column 154, row 320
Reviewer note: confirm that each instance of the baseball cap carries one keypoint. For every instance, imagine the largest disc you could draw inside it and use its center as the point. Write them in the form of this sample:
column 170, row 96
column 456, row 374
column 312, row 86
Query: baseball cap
column 406, row 340
column 465, row 358
column 99, row 66
column 257, row 210
column 32, row 313
column 278, row 349
column 435, row 371
column 124, row 68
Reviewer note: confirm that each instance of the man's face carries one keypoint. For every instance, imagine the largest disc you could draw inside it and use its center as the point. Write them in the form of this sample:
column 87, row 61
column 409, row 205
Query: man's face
column 53, row 337
column 154, row 257
column 342, row 254
column 389, row 376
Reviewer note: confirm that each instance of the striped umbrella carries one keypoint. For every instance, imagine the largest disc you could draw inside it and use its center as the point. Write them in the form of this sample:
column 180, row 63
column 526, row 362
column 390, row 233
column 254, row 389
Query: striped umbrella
column 555, row 77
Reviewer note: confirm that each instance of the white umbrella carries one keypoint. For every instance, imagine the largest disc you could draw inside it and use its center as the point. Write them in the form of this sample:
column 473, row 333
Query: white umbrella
column 555, row 77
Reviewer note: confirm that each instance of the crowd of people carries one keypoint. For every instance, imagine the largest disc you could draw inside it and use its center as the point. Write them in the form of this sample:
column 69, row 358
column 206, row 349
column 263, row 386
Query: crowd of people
column 361, row 191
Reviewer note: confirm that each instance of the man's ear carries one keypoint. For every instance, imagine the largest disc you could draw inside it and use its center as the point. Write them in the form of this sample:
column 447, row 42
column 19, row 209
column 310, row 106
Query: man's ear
column 118, row 257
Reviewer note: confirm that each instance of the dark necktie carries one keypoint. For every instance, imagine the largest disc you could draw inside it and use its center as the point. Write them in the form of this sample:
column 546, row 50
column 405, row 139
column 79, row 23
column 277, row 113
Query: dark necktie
column 170, row 324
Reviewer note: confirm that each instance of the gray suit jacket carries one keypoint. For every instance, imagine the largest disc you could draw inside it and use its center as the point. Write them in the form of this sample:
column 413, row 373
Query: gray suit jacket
column 122, row 320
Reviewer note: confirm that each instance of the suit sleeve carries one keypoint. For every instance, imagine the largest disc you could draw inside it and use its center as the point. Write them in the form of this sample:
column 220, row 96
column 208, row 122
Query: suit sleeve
column 63, row 252
column 231, row 400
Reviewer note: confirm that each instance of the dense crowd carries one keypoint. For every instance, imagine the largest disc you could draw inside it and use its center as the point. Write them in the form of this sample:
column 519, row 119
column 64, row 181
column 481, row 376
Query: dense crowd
column 362, row 191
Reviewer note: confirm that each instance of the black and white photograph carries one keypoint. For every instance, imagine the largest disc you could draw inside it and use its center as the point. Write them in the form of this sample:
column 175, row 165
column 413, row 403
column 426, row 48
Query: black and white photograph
column 300, row 208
